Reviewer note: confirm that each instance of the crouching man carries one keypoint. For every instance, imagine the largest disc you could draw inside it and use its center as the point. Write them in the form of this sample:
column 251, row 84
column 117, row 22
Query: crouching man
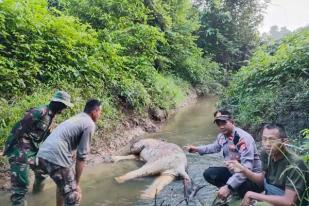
column 55, row 156
column 284, row 177
column 237, row 145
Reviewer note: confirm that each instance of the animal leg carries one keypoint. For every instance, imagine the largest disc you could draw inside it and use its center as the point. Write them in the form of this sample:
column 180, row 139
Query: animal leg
column 159, row 183
column 189, row 189
column 146, row 170
column 119, row 158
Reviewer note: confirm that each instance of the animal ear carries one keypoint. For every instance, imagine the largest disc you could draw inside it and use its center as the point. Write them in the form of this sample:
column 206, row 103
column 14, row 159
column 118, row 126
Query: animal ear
column 132, row 143
column 137, row 147
column 135, row 140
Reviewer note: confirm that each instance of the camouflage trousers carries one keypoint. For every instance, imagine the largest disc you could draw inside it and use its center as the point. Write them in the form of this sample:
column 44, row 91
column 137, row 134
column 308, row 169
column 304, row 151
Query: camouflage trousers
column 64, row 179
column 21, row 160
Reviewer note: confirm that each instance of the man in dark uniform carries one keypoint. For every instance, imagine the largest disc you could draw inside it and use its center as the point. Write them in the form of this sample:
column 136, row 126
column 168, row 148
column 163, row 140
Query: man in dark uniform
column 23, row 144
column 236, row 144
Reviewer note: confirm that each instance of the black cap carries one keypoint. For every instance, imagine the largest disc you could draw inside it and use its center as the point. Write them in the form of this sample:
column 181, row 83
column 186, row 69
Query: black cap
column 222, row 118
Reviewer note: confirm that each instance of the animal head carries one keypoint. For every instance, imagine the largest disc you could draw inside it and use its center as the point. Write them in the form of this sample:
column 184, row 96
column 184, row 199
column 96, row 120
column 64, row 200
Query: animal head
column 137, row 146
column 140, row 144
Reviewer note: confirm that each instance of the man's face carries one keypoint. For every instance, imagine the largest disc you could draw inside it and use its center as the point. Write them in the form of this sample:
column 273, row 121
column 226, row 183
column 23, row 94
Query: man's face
column 271, row 141
column 58, row 107
column 225, row 126
column 60, row 111
column 96, row 114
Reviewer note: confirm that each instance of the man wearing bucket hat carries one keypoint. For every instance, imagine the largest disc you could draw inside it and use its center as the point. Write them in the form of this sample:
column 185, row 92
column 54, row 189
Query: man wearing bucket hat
column 23, row 144
column 236, row 144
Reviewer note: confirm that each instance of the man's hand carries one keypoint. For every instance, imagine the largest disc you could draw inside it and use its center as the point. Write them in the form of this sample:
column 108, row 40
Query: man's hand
column 79, row 191
column 224, row 192
column 248, row 199
column 190, row 148
column 234, row 165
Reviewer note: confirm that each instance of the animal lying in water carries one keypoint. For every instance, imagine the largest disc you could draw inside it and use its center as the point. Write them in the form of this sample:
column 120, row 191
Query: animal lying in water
column 162, row 158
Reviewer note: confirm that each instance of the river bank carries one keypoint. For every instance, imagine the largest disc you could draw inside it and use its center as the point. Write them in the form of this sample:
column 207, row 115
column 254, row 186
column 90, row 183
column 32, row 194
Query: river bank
column 113, row 142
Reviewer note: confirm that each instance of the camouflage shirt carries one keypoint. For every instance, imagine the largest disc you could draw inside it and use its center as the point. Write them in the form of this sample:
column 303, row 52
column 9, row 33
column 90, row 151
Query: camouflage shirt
column 33, row 128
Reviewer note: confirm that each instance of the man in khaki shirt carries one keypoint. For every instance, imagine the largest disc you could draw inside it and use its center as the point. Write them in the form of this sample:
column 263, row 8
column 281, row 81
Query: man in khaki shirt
column 285, row 176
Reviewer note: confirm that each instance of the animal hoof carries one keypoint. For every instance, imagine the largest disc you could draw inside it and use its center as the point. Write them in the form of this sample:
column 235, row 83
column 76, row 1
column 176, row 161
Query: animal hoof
column 119, row 180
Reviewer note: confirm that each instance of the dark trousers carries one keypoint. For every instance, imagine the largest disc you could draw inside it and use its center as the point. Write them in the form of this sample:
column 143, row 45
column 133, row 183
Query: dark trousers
column 218, row 176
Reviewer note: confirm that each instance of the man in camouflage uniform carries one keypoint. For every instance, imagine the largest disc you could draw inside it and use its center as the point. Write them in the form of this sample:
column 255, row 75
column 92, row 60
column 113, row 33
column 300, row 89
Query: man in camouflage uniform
column 23, row 144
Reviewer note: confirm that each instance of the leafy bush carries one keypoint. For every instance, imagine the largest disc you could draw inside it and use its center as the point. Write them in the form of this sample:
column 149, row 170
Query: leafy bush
column 305, row 133
column 110, row 50
column 159, row 37
column 36, row 47
column 11, row 111
column 274, row 86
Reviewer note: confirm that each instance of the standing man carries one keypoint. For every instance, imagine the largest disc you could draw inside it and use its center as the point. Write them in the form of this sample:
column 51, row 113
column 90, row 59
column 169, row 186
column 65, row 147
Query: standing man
column 237, row 145
column 285, row 176
column 56, row 153
column 23, row 144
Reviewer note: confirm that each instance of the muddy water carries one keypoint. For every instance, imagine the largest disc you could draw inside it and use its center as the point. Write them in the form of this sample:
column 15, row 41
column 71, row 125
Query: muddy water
column 193, row 125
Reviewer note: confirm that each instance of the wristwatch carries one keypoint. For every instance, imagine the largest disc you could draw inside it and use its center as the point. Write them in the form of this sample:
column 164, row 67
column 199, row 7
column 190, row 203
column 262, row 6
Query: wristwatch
column 230, row 187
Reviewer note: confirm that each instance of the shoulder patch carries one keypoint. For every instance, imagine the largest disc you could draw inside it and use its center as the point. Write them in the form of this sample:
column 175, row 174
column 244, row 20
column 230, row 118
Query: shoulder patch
column 241, row 145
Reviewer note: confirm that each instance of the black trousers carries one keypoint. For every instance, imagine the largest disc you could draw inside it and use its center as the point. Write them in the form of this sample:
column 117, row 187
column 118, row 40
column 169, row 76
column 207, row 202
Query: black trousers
column 218, row 176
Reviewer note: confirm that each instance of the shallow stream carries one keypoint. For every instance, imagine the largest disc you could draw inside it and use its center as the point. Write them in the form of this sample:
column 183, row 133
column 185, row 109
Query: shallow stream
column 193, row 125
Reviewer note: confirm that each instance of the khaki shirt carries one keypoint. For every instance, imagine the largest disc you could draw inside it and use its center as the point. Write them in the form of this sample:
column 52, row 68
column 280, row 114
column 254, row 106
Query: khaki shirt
column 288, row 172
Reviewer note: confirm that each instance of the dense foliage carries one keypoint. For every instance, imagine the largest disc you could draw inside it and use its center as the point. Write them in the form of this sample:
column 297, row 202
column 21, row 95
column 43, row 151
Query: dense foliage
column 153, row 34
column 133, row 54
column 274, row 87
column 305, row 133
column 229, row 30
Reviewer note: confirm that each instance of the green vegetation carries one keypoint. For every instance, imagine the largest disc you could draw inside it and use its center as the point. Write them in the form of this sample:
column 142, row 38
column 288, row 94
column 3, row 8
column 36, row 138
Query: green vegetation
column 228, row 30
column 274, row 86
column 276, row 33
column 137, row 55
column 305, row 133
column 131, row 54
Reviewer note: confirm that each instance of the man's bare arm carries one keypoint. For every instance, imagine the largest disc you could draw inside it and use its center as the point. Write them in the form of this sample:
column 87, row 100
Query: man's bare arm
column 288, row 199
column 80, row 164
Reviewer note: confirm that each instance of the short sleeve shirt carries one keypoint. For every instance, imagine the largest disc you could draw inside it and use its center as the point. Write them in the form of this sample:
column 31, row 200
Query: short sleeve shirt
column 72, row 134
column 288, row 172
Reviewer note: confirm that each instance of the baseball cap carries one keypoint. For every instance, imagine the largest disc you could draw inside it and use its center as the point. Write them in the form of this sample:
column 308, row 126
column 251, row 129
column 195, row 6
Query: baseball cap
column 222, row 118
